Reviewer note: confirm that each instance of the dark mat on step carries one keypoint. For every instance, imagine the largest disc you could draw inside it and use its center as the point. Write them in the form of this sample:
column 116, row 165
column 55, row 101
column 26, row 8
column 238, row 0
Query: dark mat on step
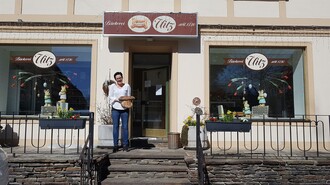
column 141, row 143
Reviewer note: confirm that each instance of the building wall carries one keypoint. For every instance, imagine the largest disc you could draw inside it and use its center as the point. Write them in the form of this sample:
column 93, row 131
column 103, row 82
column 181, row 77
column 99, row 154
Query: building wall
column 256, row 9
column 307, row 9
column 192, row 57
column 4, row 80
column 36, row 7
column 196, row 63
column 218, row 8
column 89, row 7
column 271, row 171
column 292, row 12
column 151, row 6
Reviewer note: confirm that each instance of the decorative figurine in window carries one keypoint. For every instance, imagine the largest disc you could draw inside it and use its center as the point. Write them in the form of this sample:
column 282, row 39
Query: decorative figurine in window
column 48, row 100
column 62, row 93
column 262, row 98
column 246, row 109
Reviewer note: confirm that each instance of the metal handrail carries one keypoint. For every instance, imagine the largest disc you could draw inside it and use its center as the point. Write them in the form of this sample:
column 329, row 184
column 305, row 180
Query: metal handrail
column 202, row 171
column 306, row 136
column 88, row 173
column 23, row 134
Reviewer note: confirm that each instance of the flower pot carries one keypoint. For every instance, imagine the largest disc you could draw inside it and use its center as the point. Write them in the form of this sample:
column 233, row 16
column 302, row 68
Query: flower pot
column 192, row 138
column 105, row 136
column 62, row 123
column 235, row 126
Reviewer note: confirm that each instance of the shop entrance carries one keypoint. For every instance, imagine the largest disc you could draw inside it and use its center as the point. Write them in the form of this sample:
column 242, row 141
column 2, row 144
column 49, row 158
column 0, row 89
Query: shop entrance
column 150, row 86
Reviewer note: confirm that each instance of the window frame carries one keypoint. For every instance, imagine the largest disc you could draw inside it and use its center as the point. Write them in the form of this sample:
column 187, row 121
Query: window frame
column 308, row 66
column 92, row 42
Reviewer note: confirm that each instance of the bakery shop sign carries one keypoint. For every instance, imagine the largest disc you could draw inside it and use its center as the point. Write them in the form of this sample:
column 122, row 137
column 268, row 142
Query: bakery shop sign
column 257, row 61
column 150, row 24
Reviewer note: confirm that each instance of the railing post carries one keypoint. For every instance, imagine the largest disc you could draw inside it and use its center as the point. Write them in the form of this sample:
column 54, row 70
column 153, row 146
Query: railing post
column 91, row 132
column 317, row 135
column 199, row 149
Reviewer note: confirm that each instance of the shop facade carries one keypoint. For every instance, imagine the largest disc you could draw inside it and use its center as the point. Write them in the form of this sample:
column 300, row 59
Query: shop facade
column 286, row 42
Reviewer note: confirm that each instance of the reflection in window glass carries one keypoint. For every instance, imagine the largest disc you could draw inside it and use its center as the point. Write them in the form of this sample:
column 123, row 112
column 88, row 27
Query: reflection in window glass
column 232, row 82
column 27, row 82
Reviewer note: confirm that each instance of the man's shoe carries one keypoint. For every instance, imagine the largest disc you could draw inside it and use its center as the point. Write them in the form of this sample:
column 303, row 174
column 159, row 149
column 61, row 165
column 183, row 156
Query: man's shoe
column 115, row 149
column 126, row 149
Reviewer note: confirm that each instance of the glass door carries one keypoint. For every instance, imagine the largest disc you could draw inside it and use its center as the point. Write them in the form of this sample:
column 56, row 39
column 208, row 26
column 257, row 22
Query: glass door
column 150, row 110
column 154, row 99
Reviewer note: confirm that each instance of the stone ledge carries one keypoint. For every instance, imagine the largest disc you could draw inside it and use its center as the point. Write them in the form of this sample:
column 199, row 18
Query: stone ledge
column 146, row 168
column 158, row 181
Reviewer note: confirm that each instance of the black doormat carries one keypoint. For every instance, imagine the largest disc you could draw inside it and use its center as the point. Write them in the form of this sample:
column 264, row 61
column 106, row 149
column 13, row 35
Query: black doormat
column 141, row 143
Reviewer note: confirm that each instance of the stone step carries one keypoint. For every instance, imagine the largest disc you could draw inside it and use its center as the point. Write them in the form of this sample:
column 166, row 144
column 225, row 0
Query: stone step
column 175, row 154
column 149, row 181
column 166, row 162
column 146, row 168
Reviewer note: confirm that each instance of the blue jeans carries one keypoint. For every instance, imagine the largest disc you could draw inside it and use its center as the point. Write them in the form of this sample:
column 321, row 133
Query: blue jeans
column 116, row 116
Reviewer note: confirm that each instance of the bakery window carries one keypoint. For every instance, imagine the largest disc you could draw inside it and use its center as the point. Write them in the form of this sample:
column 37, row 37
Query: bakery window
column 31, row 82
column 257, row 80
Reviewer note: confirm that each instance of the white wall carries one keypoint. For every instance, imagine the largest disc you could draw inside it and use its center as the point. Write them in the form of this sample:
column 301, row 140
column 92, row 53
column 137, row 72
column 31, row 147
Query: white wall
column 308, row 9
column 208, row 8
column 151, row 6
column 190, row 79
column 256, row 9
column 108, row 60
column 7, row 7
column 321, row 64
column 92, row 7
column 48, row 7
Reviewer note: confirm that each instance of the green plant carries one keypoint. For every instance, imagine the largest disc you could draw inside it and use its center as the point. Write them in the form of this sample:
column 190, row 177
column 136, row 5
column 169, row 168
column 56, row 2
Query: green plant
column 190, row 121
column 229, row 116
column 66, row 114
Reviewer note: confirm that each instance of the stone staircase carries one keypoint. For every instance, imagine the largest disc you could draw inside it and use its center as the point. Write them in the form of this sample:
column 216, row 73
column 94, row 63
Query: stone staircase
column 147, row 166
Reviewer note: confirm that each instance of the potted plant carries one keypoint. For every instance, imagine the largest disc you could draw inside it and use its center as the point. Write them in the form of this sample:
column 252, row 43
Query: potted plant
column 228, row 123
column 65, row 119
column 188, row 134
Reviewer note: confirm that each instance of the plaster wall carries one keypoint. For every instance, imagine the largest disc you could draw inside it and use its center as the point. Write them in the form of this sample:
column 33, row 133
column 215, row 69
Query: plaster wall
column 308, row 9
column 321, row 64
column 152, row 6
column 256, row 9
column 109, row 61
column 89, row 7
column 191, row 79
column 209, row 8
column 58, row 7
column 7, row 7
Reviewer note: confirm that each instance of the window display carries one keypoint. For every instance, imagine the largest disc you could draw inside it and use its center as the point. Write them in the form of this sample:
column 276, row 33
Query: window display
column 257, row 81
column 38, row 73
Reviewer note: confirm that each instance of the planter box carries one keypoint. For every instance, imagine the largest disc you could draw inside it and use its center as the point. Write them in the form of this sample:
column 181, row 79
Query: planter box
column 235, row 126
column 62, row 123
column 105, row 136
column 192, row 138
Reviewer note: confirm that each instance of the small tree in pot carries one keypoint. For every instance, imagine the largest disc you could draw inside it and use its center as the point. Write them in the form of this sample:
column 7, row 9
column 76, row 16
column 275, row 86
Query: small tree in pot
column 104, row 116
